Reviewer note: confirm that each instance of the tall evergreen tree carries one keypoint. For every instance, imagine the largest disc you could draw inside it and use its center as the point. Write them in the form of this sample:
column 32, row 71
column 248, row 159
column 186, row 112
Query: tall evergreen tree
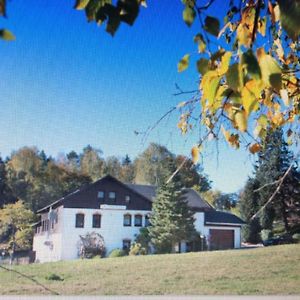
column 172, row 220
column 249, row 205
column 274, row 160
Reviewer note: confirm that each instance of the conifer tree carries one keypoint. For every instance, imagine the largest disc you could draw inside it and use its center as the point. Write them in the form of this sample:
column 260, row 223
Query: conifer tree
column 172, row 221
column 249, row 205
column 274, row 161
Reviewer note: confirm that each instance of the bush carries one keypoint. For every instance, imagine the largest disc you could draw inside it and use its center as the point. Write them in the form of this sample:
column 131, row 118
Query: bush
column 117, row 253
column 251, row 232
column 143, row 238
column 137, row 249
column 91, row 245
column 266, row 234
column 296, row 237
column 54, row 277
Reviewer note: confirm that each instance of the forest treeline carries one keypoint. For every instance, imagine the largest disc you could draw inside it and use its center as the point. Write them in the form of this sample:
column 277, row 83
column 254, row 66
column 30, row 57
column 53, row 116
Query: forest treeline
column 37, row 179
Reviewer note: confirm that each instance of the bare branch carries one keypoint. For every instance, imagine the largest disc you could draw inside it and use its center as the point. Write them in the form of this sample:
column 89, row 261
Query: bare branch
column 257, row 11
column 275, row 192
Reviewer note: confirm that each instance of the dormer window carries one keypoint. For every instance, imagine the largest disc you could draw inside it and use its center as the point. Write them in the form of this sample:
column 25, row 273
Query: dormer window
column 112, row 196
column 101, row 195
column 127, row 198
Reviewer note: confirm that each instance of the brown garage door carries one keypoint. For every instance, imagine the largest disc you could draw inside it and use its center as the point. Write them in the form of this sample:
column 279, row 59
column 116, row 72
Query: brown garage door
column 221, row 239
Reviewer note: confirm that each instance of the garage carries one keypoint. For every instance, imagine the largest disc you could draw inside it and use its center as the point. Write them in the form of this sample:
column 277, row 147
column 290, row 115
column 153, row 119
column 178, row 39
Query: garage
column 221, row 239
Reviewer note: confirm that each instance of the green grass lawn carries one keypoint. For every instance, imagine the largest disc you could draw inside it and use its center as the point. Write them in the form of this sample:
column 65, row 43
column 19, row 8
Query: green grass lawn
column 272, row 270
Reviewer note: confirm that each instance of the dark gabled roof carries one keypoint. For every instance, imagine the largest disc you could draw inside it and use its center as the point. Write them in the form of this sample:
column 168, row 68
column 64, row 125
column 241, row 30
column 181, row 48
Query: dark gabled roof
column 81, row 195
column 194, row 199
column 148, row 191
column 220, row 217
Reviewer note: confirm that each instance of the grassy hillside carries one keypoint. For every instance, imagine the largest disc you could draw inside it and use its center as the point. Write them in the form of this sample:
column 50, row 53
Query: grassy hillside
column 273, row 270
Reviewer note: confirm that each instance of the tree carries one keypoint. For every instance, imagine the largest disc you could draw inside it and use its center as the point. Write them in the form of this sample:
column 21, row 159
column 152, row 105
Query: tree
column 151, row 165
column 113, row 167
column 225, row 201
column 127, row 170
column 91, row 163
column 171, row 221
column 219, row 200
column 192, row 175
column 15, row 227
column 274, row 160
column 249, row 205
column 5, row 192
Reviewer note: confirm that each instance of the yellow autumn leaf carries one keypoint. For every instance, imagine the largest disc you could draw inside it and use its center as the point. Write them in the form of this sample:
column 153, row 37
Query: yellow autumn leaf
column 183, row 63
column 240, row 120
column 81, row 4
column 225, row 61
column 278, row 119
column 254, row 148
column 209, row 85
column 250, row 95
column 262, row 26
column 195, row 154
column 271, row 71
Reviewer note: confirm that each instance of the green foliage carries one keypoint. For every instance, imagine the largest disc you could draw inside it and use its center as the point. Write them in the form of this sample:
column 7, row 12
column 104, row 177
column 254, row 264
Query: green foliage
column 91, row 163
column 144, row 239
column 153, row 166
column 266, row 234
column 249, row 205
column 104, row 11
column 15, row 227
column 296, row 237
column 137, row 249
column 274, row 160
column 219, row 200
column 171, row 219
column 117, row 253
column 54, row 277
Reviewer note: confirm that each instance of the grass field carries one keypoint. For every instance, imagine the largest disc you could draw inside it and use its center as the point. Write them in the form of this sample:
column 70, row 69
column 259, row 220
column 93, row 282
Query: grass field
column 273, row 270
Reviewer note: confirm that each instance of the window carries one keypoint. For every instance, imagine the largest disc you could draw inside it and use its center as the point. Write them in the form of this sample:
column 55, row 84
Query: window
column 79, row 221
column 127, row 198
column 112, row 195
column 138, row 220
column 126, row 244
column 147, row 220
column 127, row 220
column 96, row 221
column 101, row 194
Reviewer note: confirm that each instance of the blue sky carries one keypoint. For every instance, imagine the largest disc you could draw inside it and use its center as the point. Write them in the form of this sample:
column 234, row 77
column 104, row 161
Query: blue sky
column 66, row 83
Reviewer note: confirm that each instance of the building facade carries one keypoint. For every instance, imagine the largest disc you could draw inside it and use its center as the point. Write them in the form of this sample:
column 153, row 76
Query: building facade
column 118, row 211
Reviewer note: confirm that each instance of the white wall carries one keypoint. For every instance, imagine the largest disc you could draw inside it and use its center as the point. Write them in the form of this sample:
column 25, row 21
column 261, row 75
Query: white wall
column 112, row 229
column 66, row 237
column 48, row 245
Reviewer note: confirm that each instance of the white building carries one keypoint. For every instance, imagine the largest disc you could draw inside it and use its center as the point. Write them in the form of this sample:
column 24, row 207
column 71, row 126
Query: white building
column 117, row 211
